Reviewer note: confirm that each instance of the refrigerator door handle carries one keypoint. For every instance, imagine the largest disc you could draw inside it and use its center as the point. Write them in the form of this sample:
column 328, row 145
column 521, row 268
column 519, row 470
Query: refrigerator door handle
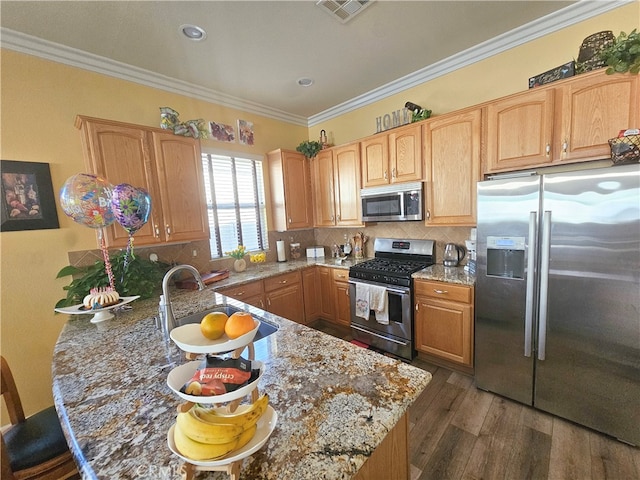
column 528, row 315
column 544, row 283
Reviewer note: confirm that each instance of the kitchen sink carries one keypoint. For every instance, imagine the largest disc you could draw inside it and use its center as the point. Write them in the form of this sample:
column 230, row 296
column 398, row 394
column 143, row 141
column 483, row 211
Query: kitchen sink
column 265, row 329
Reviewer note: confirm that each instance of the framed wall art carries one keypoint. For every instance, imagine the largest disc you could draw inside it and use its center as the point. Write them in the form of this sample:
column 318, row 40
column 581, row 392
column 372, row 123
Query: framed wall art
column 245, row 132
column 28, row 202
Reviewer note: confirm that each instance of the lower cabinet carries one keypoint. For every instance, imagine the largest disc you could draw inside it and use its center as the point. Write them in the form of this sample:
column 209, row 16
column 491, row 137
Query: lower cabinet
column 251, row 293
column 342, row 302
column 311, row 294
column 327, row 293
column 444, row 321
column 283, row 296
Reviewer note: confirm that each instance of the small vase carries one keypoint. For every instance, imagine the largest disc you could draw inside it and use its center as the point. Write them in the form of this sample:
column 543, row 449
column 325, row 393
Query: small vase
column 240, row 265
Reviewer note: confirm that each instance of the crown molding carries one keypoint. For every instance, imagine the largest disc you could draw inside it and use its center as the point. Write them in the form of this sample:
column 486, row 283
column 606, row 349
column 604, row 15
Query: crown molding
column 576, row 13
column 74, row 57
column 568, row 16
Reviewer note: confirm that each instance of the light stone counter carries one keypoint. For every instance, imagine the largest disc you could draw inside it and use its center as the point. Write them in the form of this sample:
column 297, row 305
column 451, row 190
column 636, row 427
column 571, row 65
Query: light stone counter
column 335, row 401
column 440, row 273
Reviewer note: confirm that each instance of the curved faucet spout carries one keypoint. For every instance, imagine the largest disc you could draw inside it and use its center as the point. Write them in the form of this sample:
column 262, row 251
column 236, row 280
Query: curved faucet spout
column 168, row 320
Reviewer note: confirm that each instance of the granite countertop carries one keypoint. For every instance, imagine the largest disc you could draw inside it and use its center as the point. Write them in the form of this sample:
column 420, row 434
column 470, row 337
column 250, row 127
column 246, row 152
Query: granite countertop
column 441, row 273
column 110, row 391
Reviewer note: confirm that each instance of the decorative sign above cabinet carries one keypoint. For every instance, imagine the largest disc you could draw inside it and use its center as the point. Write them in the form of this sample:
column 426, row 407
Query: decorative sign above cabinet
column 393, row 119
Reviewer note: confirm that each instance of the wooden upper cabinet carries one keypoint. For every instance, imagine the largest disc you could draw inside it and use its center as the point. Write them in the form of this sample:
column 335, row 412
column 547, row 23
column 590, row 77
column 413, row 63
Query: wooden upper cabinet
column 180, row 176
column 564, row 122
column 346, row 173
column 405, row 154
column 168, row 166
column 336, row 186
column 520, row 130
column 452, row 152
column 323, row 192
column 291, row 198
column 375, row 160
column 392, row 157
column 592, row 109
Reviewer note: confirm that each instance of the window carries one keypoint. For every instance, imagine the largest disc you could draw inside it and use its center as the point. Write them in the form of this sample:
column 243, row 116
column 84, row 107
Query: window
column 235, row 203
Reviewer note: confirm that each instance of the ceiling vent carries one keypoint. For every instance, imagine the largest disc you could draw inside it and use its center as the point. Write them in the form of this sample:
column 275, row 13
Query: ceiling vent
column 343, row 10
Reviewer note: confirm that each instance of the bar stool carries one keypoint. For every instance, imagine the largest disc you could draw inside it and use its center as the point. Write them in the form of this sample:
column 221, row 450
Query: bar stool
column 34, row 447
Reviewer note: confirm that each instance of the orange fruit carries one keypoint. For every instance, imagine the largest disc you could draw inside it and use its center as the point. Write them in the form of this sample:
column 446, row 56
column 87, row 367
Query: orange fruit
column 212, row 325
column 238, row 324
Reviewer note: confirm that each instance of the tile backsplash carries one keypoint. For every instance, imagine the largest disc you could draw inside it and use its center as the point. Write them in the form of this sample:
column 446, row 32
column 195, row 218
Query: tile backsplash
column 327, row 237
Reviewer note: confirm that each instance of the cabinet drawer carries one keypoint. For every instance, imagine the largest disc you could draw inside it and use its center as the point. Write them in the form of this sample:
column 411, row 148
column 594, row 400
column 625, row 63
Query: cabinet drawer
column 280, row 281
column 340, row 274
column 243, row 291
column 448, row 291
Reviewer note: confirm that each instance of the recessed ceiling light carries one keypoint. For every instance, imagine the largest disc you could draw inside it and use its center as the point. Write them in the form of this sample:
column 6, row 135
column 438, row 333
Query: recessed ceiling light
column 193, row 32
column 305, row 82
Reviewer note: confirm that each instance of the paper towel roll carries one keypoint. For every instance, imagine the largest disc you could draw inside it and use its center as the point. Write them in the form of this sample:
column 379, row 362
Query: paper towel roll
column 280, row 248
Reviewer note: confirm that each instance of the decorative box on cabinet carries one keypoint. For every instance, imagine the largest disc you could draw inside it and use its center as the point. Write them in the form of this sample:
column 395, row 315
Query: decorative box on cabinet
column 452, row 153
column 336, row 186
column 291, row 198
column 444, row 321
column 168, row 166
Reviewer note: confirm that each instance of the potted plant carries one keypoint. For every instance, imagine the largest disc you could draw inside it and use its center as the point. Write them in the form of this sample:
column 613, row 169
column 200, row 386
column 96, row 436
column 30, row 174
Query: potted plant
column 240, row 264
column 141, row 277
column 309, row 148
column 624, row 54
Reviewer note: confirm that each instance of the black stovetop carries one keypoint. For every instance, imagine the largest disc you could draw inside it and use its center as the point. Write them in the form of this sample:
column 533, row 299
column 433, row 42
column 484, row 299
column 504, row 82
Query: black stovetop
column 387, row 270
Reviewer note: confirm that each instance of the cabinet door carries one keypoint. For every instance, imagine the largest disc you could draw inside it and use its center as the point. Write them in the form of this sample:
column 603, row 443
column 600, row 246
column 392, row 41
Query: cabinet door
column 343, row 307
column 179, row 170
column 251, row 293
column 593, row 109
column 452, row 145
column 519, row 131
column 444, row 329
column 311, row 294
column 122, row 154
column 287, row 302
column 297, row 190
column 327, row 294
column 405, row 154
column 375, row 160
column 347, row 186
column 323, row 197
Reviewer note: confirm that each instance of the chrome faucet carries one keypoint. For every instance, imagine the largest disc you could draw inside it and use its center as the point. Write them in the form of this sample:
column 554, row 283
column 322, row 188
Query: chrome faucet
column 167, row 319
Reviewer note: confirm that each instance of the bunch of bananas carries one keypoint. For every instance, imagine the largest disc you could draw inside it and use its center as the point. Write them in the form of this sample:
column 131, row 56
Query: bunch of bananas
column 258, row 257
column 203, row 434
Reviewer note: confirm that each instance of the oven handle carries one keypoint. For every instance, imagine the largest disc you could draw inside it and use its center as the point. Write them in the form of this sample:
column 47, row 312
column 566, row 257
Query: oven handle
column 392, row 290
column 404, row 344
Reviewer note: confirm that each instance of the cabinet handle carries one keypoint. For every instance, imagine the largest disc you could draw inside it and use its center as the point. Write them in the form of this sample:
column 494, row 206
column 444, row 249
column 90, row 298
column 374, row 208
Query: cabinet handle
column 269, row 301
column 428, row 214
column 547, row 149
column 385, row 175
column 565, row 146
column 338, row 217
column 440, row 292
column 282, row 282
column 341, row 276
column 332, row 218
column 393, row 173
column 156, row 229
column 417, row 306
column 167, row 228
column 239, row 294
column 346, row 292
column 289, row 219
column 261, row 304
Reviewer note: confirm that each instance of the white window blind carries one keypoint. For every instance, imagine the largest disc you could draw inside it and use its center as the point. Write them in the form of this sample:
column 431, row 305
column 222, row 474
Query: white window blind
column 235, row 203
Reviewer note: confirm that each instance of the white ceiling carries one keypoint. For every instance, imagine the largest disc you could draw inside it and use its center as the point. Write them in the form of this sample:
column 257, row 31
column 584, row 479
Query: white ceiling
column 256, row 50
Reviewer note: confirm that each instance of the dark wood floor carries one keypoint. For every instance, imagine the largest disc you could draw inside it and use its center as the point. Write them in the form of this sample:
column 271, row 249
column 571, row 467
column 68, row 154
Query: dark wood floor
column 460, row 432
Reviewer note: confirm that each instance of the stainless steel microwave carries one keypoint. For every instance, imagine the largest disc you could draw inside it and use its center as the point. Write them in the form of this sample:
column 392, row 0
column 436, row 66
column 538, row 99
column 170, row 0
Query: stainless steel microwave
column 392, row 203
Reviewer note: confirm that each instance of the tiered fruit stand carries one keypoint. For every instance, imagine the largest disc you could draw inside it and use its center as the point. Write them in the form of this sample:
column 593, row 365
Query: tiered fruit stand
column 189, row 339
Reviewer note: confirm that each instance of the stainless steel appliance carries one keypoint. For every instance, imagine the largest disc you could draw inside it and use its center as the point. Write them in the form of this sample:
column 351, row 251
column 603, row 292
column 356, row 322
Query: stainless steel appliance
column 558, row 295
column 394, row 263
column 453, row 255
column 392, row 203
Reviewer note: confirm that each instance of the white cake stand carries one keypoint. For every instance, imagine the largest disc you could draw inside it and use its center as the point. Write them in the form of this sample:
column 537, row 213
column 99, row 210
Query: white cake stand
column 99, row 314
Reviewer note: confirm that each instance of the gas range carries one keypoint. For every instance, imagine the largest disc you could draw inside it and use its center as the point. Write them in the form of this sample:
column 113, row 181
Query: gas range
column 395, row 260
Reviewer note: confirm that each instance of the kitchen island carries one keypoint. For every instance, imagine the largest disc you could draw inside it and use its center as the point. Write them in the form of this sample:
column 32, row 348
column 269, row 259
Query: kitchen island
column 336, row 402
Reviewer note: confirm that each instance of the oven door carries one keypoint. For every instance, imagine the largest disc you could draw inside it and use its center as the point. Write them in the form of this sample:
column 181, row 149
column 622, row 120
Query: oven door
column 395, row 337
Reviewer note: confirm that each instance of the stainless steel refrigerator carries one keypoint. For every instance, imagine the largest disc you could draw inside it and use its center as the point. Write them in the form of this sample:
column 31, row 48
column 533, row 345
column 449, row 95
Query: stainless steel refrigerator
column 558, row 295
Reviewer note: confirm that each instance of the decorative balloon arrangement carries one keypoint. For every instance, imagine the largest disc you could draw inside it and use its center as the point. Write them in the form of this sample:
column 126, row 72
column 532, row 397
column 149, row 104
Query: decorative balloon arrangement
column 93, row 202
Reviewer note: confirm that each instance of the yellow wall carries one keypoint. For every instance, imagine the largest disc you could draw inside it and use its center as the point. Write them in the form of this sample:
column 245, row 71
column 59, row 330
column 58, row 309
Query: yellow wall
column 495, row 77
column 40, row 99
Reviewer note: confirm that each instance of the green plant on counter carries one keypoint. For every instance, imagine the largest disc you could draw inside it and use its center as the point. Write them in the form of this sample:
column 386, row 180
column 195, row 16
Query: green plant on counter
column 143, row 277
column 309, row 148
column 624, row 55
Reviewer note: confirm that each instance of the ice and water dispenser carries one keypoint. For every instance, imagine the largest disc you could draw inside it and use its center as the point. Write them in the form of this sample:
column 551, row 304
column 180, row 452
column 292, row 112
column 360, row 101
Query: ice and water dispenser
column 505, row 257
